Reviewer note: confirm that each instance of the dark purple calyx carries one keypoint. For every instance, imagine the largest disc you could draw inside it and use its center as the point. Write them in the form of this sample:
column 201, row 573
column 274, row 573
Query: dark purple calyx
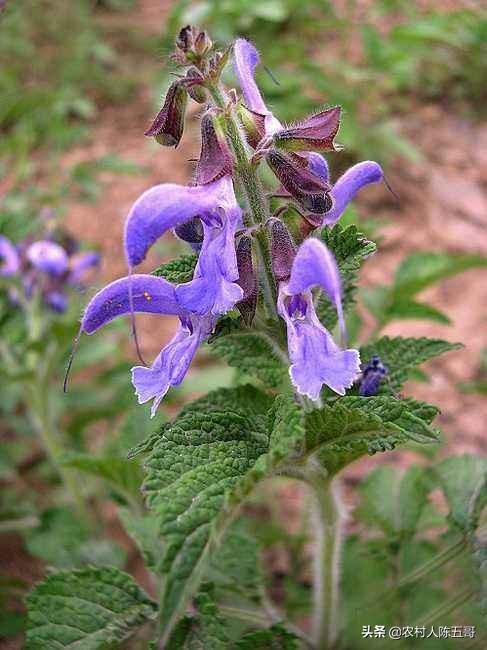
column 215, row 158
column 192, row 45
column 309, row 190
column 253, row 124
column 168, row 126
column 191, row 232
column 283, row 250
column 247, row 280
column 315, row 133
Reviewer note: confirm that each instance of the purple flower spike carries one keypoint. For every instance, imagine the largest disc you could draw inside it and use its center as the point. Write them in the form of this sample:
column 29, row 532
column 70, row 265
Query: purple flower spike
column 151, row 295
column 348, row 185
column 313, row 266
column 213, row 289
column 166, row 206
column 9, row 258
column 172, row 363
column 49, row 257
column 315, row 358
column 245, row 60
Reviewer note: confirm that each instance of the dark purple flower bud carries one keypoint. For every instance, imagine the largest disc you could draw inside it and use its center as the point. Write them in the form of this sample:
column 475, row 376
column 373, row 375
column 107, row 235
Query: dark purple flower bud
column 247, row 280
column 168, row 125
column 253, row 124
column 311, row 191
column 191, row 232
column 215, row 157
column 193, row 44
column 283, row 250
column 372, row 376
column 315, row 133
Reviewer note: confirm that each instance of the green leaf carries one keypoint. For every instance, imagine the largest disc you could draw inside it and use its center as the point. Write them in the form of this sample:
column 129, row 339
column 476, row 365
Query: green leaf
column 413, row 493
column 144, row 530
column 400, row 355
column 412, row 309
column 353, row 426
column 179, row 270
column 251, row 352
column 272, row 638
column 350, row 248
column 122, row 475
column 463, row 479
column 87, row 609
column 422, row 269
column 195, row 465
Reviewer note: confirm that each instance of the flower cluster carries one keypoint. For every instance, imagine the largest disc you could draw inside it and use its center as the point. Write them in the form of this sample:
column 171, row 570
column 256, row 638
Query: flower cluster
column 45, row 268
column 237, row 135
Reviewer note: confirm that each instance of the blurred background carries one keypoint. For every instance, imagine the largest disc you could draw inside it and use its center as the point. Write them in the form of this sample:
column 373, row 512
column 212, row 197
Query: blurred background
column 80, row 83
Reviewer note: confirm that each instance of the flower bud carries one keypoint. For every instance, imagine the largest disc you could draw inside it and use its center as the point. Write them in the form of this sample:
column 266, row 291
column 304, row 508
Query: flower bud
column 315, row 133
column 215, row 158
column 193, row 44
column 247, row 280
column 311, row 191
column 283, row 250
column 253, row 124
column 191, row 232
column 168, row 125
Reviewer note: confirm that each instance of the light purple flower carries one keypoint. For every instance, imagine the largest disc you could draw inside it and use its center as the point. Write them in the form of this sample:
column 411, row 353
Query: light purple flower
column 9, row 258
column 167, row 206
column 80, row 264
column 316, row 360
column 151, row 294
column 347, row 186
column 48, row 257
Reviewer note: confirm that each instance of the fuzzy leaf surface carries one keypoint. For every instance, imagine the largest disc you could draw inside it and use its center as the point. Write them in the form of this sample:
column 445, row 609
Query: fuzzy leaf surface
column 179, row 270
column 401, row 355
column 86, row 609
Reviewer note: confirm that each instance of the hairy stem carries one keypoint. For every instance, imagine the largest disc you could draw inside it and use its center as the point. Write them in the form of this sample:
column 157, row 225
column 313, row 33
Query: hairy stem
column 328, row 527
column 249, row 182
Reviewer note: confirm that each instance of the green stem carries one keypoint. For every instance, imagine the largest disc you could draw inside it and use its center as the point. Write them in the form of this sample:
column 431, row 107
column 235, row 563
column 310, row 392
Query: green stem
column 248, row 180
column 453, row 603
column 328, row 527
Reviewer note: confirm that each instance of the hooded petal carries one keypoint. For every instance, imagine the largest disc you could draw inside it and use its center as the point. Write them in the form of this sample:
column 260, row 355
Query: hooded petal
column 172, row 363
column 314, row 265
column 49, row 257
column 9, row 257
column 166, row 206
column 348, row 185
column 213, row 288
column 316, row 360
column 80, row 263
column 245, row 60
column 151, row 295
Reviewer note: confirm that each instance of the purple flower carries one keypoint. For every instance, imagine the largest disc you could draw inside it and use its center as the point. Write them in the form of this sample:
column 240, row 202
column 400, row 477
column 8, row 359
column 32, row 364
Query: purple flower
column 151, row 294
column 9, row 258
column 79, row 264
column 315, row 357
column 48, row 257
column 213, row 288
column 347, row 186
column 319, row 129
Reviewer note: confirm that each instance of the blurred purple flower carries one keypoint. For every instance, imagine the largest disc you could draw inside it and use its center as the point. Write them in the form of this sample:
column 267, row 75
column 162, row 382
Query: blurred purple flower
column 315, row 357
column 9, row 258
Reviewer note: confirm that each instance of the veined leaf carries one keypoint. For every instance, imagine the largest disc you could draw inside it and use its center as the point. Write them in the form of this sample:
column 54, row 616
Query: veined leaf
column 350, row 248
column 400, row 355
column 251, row 352
column 179, row 270
column 195, row 464
column 121, row 474
column 86, row 609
